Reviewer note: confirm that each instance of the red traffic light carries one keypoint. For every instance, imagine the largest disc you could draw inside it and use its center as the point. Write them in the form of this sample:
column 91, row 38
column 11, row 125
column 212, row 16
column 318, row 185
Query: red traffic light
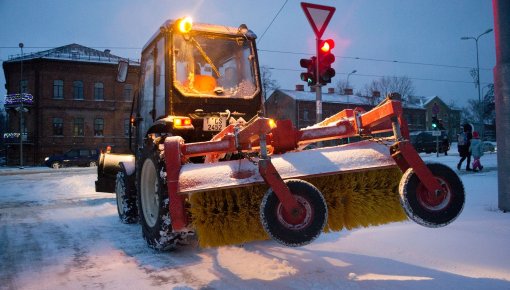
column 327, row 45
column 326, row 59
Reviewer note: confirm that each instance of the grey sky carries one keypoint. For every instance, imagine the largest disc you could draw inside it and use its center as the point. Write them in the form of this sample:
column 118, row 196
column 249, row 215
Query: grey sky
column 376, row 31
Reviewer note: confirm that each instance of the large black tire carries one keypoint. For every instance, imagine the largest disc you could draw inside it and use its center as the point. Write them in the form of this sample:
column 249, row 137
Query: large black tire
column 153, row 201
column 125, row 192
column 294, row 231
column 428, row 209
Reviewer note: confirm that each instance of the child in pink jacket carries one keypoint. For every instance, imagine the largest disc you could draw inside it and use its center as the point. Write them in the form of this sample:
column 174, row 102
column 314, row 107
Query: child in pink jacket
column 476, row 149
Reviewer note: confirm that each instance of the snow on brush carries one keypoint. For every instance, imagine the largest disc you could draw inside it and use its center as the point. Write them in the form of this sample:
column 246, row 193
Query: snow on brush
column 57, row 233
column 344, row 158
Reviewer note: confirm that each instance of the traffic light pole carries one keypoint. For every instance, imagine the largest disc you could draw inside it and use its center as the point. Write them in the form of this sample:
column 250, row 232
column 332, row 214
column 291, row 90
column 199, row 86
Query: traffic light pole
column 318, row 90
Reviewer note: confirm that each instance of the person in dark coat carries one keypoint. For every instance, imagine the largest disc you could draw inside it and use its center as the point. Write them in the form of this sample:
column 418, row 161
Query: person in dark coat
column 464, row 147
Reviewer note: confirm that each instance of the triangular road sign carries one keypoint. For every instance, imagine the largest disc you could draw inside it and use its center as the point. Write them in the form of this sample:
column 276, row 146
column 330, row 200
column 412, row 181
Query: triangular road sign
column 318, row 16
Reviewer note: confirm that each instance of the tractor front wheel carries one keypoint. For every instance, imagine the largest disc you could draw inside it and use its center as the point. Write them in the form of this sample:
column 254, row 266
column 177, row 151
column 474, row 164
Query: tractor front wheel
column 299, row 228
column 153, row 202
column 431, row 209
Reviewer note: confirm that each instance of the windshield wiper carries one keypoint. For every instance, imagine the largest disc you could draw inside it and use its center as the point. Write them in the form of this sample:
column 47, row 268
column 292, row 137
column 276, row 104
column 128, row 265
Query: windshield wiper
column 204, row 55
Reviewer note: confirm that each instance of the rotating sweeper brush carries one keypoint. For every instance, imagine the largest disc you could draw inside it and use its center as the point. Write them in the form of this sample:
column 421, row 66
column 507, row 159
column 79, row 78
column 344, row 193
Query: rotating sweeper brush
column 292, row 195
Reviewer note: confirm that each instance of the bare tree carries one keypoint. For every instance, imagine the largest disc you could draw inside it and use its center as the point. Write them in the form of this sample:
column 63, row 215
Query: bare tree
column 268, row 83
column 481, row 110
column 368, row 92
column 385, row 85
column 341, row 85
column 489, row 105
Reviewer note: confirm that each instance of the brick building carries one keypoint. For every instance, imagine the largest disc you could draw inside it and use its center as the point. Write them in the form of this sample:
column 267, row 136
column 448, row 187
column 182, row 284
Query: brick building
column 299, row 106
column 76, row 102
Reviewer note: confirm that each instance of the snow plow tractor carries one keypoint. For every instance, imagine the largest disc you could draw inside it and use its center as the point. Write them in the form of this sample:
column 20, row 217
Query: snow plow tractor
column 208, row 164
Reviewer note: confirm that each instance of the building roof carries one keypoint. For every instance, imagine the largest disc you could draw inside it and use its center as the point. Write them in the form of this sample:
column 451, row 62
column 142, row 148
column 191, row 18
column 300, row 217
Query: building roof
column 72, row 52
column 326, row 97
column 335, row 98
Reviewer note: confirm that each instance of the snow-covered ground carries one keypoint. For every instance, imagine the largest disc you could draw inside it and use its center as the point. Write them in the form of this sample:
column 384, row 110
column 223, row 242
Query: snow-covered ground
column 56, row 232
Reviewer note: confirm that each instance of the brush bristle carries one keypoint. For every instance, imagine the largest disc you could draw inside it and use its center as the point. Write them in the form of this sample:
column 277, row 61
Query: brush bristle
column 356, row 199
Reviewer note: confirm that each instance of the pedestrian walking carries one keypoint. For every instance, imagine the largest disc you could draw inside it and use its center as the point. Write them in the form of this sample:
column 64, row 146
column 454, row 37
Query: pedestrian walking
column 446, row 144
column 476, row 149
column 464, row 141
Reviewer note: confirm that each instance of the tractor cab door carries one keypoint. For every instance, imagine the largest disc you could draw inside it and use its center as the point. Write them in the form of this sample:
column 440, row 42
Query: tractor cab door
column 151, row 103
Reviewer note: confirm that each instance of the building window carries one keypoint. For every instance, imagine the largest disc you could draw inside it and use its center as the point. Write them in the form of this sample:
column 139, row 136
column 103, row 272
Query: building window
column 98, row 91
column 58, row 89
column 23, row 85
column 98, row 127
column 126, row 127
column 78, row 90
column 78, row 127
column 305, row 115
column 58, row 127
column 128, row 91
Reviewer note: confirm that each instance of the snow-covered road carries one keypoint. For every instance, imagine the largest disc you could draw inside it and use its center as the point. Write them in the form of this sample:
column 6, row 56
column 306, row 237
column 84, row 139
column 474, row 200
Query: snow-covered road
column 57, row 233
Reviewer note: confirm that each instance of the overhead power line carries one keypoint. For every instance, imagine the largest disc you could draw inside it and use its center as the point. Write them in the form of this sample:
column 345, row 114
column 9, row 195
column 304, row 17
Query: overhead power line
column 271, row 23
column 281, row 51
column 377, row 60
column 379, row 76
column 50, row 47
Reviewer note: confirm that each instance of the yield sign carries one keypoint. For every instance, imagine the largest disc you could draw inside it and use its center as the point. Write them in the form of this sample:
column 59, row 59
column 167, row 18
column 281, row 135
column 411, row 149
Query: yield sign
column 318, row 16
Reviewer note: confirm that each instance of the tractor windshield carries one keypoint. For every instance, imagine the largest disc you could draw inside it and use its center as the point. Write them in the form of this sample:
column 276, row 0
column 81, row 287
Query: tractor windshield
column 214, row 66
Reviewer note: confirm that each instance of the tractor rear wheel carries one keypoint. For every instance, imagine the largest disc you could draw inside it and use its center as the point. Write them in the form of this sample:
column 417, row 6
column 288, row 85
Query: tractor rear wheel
column 294, row 230
column 125, row 193
column 430, row 209
column 153, row 201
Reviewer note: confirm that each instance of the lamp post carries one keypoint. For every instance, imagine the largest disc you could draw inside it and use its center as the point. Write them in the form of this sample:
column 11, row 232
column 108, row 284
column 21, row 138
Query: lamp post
column 21, row 110
column 348, row 75
column 480, row 107
column 347, row 85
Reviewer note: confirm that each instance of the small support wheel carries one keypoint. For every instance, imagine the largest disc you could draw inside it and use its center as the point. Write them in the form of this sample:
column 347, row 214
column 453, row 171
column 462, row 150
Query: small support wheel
column 125, row 193
column 294, row 229
column 432, row 209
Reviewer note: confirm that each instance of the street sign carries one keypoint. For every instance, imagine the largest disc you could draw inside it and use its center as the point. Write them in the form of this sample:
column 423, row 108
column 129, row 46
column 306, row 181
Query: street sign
column 436, row 133
column 318, row 16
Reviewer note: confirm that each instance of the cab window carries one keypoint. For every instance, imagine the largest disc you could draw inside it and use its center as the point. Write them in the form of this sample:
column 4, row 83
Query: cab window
column 214, row 66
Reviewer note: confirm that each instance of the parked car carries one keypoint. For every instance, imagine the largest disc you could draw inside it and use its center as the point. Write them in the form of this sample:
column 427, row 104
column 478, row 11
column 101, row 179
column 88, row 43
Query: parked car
column 73, row 157
column 424, row 141
column 488, row 147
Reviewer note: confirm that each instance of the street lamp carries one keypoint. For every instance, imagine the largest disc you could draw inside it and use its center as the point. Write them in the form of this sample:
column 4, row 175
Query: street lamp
column 480, row 113
column 348, row 75
column 21, row 110
column 347, row 85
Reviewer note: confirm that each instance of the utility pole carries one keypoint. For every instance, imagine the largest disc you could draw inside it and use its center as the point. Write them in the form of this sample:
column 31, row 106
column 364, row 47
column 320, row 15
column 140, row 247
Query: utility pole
column 318, row 86
column 501, row 9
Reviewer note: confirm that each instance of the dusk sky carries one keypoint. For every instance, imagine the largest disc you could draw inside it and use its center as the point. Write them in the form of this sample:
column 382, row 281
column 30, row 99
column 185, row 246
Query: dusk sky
column 423, row 37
